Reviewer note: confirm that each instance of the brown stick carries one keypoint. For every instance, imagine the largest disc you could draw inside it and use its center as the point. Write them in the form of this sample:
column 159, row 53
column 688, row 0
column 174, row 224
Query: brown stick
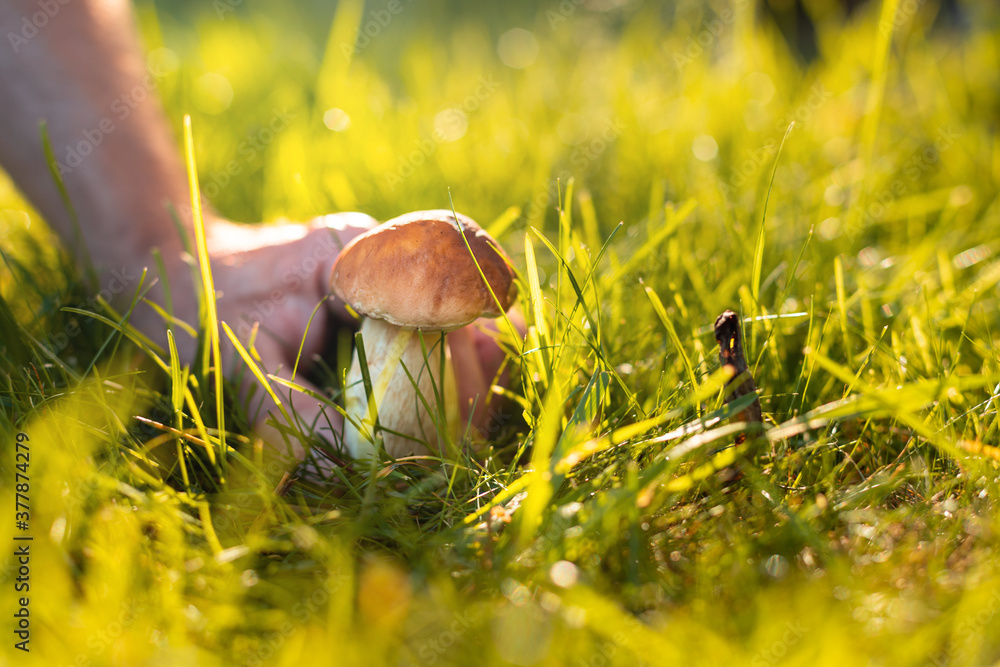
column 730, row 338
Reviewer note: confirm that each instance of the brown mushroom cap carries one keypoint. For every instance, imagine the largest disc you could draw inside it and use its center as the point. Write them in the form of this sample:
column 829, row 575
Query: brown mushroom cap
column 415, row 271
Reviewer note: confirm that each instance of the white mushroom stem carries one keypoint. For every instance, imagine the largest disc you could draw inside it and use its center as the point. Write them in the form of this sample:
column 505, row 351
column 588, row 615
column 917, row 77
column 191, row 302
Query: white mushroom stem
column 397, row 401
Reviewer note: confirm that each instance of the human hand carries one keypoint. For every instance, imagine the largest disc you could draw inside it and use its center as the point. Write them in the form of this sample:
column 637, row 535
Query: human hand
column 273, row 277
column 477, row 360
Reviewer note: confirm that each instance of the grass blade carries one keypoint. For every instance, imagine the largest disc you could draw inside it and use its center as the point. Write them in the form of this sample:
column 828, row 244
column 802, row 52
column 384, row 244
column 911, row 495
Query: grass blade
column 758, row 252
column 661, row 312
column 211, row 321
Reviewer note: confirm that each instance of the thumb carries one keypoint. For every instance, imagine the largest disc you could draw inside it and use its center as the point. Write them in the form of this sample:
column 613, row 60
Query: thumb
column 335, row 231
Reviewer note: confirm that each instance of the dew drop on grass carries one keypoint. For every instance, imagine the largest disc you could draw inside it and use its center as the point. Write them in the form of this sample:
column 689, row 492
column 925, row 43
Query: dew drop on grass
column 563, row 574
column 705, row 147
column 549, row 601
column 869, row 257
column 212, row 93
column 829, row 229
column 163, row 61
column 575, row 617
column 960, row 196
column 336, row 119
column 58, row 530
column 450, row 124
column 516, row 592
column 517, row 48
column 776, row 566
column 569, row 509
column 972, row 256
column 834, row 195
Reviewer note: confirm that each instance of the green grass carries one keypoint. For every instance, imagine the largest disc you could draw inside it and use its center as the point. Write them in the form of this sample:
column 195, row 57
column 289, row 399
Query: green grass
column 628, row 177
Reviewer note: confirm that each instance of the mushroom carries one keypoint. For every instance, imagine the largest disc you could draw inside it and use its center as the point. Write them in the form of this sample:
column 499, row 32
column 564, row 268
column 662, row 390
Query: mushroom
column 410, row 276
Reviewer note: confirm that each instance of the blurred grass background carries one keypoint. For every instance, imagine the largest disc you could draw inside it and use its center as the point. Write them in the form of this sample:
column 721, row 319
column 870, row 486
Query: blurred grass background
column 871, row 537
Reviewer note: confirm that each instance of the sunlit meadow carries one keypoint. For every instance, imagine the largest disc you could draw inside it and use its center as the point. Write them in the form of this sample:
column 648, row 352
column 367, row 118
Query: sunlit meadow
column 627, row 156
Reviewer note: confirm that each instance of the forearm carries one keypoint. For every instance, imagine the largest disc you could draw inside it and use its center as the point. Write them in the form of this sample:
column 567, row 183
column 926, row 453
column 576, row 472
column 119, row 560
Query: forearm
column 84, row 75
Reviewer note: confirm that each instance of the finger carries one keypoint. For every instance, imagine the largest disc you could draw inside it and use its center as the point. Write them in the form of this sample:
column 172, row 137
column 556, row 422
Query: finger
column 233, row 237
column 486, row 332
column 289, row 256
column 477, row 359
column 292, row 425
column 279, row 286
column 471, row 380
